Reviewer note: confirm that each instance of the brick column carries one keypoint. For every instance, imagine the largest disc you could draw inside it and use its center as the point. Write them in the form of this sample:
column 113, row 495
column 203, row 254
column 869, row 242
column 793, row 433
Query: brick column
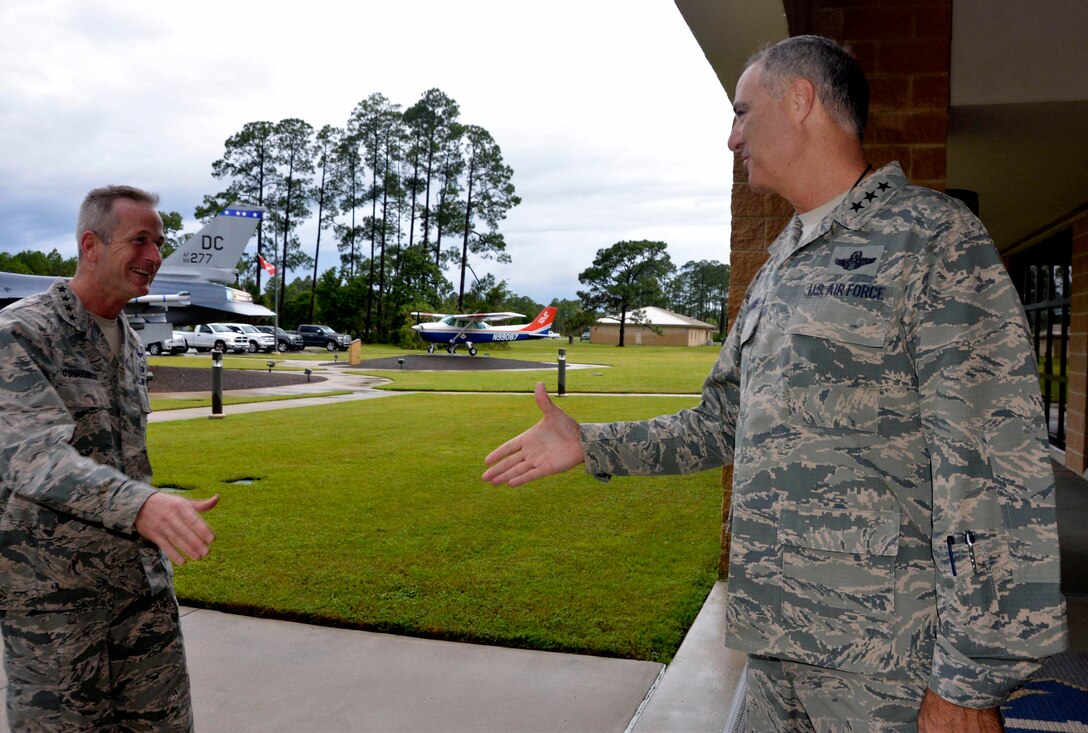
column 1076, row 444
column 905, row 48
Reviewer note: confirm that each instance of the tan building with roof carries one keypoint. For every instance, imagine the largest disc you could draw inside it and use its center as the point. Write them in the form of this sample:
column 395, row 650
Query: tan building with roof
column 655, row 327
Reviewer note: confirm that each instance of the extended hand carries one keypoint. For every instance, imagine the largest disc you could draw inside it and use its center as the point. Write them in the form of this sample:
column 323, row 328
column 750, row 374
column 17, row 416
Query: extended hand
column 553, row 445
column 940, row 716
column 175, row 525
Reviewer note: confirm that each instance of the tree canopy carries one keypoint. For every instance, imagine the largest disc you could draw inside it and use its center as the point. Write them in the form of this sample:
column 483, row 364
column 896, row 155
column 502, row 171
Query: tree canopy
column 625, row 277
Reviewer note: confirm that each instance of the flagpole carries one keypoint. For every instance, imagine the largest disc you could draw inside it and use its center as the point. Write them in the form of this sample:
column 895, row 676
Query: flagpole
column 276, row 297
column 273, row 272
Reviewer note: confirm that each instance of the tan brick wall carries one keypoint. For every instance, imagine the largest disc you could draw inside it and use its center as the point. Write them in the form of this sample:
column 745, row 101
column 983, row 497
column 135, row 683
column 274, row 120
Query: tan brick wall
column 1076, row 444
column 905, row 48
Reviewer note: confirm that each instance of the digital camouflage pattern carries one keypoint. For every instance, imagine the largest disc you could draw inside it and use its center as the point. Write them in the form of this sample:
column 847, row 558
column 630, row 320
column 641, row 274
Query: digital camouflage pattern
column 786, row 696
column 73, row 459
column 59, row 684
column 74, row 474
column 878, row 394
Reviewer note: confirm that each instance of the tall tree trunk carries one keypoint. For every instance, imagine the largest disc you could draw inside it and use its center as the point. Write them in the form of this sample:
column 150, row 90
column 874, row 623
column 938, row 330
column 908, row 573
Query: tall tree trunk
column 464, row 241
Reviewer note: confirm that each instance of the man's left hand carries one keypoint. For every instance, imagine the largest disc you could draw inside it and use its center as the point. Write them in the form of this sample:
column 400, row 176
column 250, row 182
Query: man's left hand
column 940, row 716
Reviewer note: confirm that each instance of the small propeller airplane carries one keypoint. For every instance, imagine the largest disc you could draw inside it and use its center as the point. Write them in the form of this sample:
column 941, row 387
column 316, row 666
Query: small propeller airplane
column 476, row 328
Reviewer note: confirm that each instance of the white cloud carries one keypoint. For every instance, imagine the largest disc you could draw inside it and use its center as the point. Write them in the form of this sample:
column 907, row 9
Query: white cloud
column 607, row 111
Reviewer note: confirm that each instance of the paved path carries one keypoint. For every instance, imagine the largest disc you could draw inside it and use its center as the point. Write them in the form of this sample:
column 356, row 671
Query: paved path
column 335, row 379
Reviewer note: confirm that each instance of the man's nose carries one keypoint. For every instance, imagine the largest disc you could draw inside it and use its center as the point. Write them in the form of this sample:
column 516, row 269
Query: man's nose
column 735, row 141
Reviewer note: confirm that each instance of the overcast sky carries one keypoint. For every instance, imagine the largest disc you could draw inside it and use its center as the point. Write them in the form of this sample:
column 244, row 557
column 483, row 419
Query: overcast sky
column 607, row 110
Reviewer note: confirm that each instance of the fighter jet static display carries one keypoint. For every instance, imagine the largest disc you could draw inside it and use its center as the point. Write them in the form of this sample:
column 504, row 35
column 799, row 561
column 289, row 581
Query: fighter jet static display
column 472, row 329
column 191, row 278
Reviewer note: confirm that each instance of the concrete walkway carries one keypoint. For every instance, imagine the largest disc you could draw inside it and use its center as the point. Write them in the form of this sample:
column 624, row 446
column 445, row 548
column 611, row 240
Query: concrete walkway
column 259, row 675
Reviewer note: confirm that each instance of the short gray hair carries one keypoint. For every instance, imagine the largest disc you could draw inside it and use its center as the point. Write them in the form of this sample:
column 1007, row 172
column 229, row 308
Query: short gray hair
column 836, row 76
column 96, row 212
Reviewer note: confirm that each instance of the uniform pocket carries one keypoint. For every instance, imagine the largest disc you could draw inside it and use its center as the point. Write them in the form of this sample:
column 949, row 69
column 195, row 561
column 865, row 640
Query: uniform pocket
column 836, row 362
column 838, row 571
column 88, row 403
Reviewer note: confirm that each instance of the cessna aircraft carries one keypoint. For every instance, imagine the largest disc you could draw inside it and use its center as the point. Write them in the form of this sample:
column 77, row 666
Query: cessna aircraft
column 185, row 290
column 475, row 328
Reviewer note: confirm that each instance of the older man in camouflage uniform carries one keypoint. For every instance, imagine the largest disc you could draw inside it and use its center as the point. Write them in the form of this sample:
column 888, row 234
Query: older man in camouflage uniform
column 89, row 619
column 894, row 560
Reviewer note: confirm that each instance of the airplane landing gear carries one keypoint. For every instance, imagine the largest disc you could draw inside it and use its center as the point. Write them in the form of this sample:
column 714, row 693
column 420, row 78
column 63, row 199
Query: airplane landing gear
column 472, row 351
column 451, row 349
column 430, row 348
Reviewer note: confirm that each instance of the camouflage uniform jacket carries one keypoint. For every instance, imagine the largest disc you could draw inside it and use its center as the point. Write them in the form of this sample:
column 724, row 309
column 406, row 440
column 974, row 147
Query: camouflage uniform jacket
column 73, row 459
column 878, row 394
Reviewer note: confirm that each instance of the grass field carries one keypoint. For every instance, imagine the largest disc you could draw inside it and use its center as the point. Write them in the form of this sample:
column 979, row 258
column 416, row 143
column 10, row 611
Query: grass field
column 632, row 369
column 371, row 515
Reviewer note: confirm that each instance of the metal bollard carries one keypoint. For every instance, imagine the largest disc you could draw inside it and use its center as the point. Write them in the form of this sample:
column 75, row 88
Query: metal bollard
column 562, row 372
column 217, row 383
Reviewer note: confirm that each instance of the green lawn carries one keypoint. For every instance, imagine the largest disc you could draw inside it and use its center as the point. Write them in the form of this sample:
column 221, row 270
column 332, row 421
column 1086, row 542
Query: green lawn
column 371, row 515
column 632, row 369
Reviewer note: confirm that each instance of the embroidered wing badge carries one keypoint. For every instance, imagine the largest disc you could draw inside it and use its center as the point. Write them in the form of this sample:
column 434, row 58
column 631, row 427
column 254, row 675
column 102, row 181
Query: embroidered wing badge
column 854, row 261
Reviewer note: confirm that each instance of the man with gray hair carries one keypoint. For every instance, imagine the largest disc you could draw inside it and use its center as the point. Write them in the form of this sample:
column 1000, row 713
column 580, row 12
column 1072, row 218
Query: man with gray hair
column 90, row 623
column 894, row 559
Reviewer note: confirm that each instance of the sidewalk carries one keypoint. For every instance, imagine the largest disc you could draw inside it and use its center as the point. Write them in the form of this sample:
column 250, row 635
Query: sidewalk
column 259, row 675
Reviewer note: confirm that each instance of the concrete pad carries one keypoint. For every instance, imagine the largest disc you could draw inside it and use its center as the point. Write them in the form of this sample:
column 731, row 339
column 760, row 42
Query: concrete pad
column 697, row 689
column 252, row 674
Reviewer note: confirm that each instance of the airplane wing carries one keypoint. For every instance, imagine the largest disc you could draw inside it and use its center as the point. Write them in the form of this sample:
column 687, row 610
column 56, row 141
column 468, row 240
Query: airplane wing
column 489, row 317
column 14, row 286
column 207, row 302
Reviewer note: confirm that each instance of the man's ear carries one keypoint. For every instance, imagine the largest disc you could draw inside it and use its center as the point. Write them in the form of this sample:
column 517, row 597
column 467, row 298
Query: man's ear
column 89, row 244
column 802, row 98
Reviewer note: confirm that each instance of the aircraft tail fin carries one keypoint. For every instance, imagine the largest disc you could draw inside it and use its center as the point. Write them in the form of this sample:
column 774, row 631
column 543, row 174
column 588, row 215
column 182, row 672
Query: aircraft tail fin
column 212, row 254
column 543, row 322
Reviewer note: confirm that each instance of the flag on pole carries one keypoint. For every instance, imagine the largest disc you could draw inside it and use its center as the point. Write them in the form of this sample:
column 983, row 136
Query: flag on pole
column 267, row 267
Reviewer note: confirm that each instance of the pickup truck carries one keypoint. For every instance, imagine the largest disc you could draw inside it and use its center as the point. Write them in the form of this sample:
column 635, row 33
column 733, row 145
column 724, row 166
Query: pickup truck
column 208, row 336
column 313, row 335
column 258, row 340
column 176, row 344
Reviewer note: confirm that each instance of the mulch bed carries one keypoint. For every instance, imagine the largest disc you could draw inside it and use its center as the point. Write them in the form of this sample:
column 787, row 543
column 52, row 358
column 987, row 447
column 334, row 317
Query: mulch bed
column 183, row 379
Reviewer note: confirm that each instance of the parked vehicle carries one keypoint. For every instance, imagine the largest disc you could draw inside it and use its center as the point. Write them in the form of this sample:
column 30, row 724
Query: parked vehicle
column 285, row 340
column 176, row 344
column 258, row 340
column 208, row 336
column 314, row 335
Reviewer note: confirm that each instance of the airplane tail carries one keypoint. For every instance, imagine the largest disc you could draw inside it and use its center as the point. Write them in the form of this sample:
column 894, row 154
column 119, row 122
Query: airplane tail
column 212, row 254
column 543, row 322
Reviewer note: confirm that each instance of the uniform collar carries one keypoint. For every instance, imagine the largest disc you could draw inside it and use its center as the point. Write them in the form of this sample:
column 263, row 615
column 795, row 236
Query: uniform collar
column 74, row 313
column 69, row 305
column 860, row 205
column 870, row 196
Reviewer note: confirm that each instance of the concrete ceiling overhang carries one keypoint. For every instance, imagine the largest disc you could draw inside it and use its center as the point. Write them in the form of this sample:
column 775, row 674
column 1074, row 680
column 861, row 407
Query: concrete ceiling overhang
column 1018, row 116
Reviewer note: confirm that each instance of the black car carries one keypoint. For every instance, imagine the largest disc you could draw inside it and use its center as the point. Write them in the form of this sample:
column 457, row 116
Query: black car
column 285, row 340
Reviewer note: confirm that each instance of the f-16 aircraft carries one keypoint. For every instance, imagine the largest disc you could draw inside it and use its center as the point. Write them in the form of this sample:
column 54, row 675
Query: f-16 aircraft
column 475, row 328
column 188, row 288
